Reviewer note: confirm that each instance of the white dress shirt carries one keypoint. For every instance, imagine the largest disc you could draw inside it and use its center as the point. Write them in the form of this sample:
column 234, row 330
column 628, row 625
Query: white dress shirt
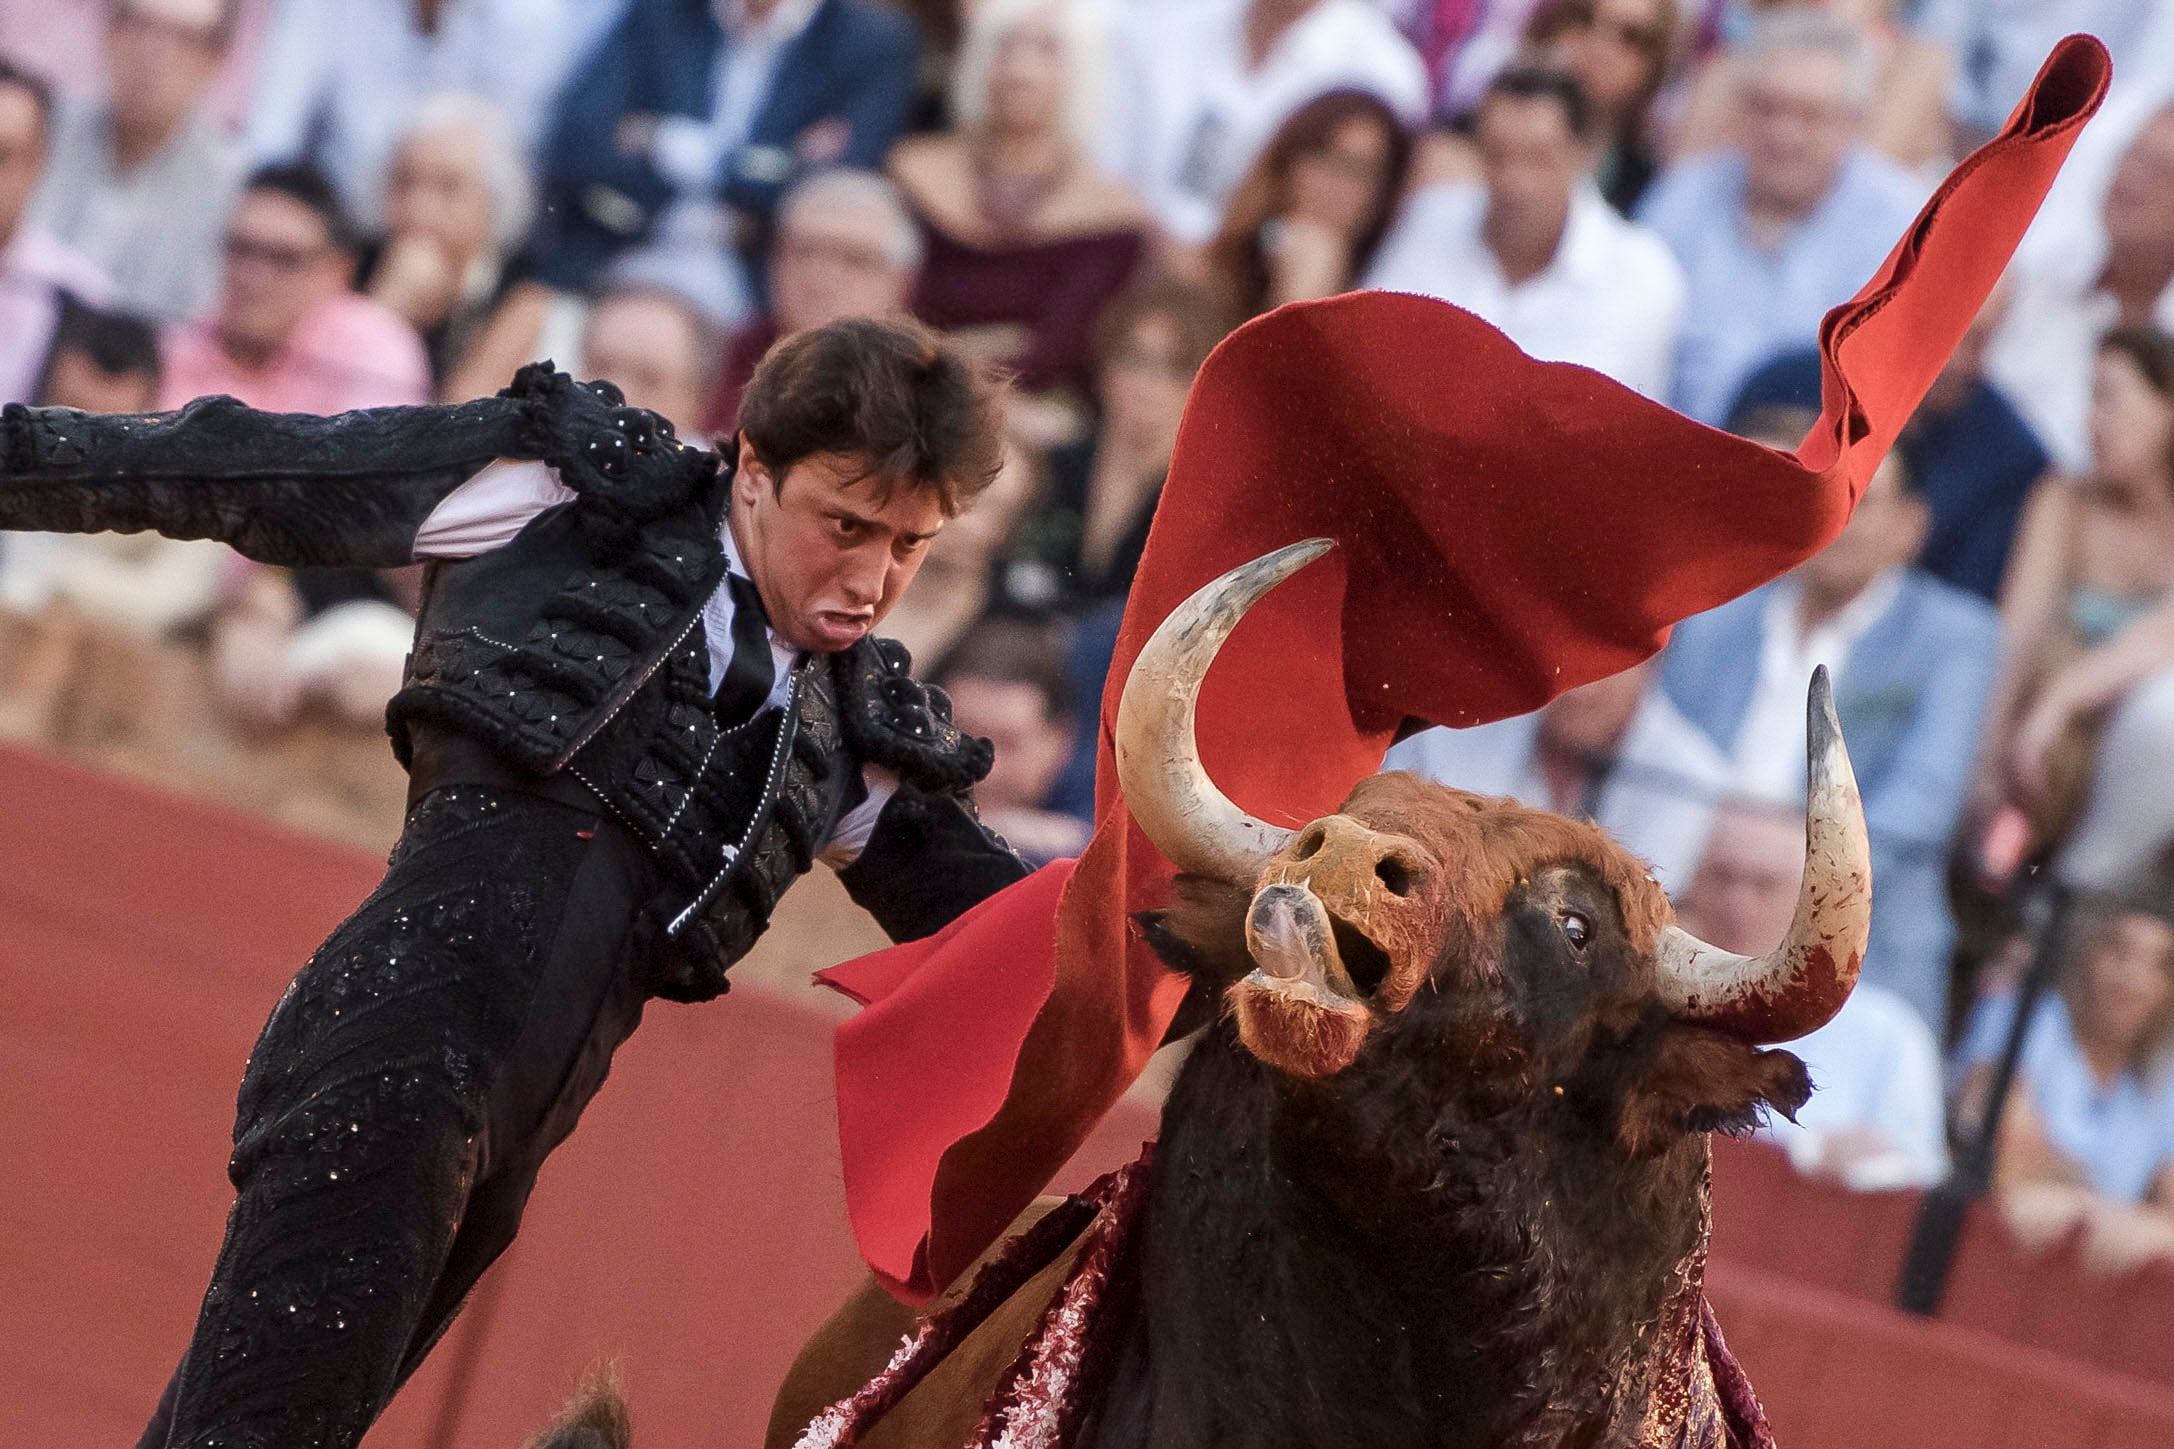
column 489, row 509
column 1188, row 114
column 1770, row 743
column 1610, row 299
column 1874, row 1066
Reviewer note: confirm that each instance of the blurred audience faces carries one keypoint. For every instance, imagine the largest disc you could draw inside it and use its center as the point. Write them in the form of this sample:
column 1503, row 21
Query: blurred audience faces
column 1007, row 684
column 1875, row 1122
column 287, row 254
column 656, row 347
column 1799, row 107
column 162, row 56
column 1535, row 250
column 1307, row 218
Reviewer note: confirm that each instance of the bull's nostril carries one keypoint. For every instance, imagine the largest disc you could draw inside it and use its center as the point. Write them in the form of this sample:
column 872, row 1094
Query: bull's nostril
column 1395, row 875
column 1309, row 844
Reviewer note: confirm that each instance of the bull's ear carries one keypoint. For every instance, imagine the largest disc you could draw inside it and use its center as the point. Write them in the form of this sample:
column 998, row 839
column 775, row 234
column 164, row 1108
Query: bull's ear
column 1202, row 932
column 1702, row 1081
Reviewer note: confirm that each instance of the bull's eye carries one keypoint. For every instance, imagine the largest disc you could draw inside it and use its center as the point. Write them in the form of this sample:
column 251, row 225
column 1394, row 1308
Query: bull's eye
column 1576, row 930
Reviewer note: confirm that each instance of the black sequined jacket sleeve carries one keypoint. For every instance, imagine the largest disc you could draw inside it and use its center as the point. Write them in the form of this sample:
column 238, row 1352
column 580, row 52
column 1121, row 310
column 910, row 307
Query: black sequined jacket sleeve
column 305, row 491
column 928, row 862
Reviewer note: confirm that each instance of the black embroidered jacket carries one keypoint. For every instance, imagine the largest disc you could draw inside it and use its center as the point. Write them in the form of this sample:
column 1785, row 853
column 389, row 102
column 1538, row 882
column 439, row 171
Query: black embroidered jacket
column 575, row 650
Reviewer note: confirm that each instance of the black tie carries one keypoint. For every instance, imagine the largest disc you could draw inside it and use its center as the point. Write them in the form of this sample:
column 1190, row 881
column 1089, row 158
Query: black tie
column 751, row 673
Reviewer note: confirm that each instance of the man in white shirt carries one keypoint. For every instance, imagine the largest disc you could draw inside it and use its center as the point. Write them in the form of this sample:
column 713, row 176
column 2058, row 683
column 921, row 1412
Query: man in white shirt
column 1198, row 90
column 1535, row 250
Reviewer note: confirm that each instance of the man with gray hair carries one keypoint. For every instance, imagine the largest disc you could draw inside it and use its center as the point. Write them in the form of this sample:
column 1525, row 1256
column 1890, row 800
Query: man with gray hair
column 844, row 246
column 1787, row 221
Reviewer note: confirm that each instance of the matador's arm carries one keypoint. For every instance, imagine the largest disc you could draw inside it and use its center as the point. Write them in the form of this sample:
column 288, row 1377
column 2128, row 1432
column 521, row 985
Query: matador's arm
column 352, row 490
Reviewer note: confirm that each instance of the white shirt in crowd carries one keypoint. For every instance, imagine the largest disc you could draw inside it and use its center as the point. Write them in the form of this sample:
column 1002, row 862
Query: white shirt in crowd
column 1611, row 299
column 1874, row 1066
column 337, row 80
column 1770, row 743
column 1188, row 115
column 489, row 509
column 1658, row 799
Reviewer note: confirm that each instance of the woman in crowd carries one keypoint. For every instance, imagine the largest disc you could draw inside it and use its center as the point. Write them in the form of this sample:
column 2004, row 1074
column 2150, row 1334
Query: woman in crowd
column 458, row 199
column 1080, row 544
column 2088, row 1133
column 1618, row 51
column 2088, row 612
column 1026, row 236
column 1307, row 217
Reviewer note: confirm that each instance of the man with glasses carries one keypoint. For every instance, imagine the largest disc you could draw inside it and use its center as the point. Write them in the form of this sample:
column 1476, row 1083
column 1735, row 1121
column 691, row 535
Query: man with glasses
column 141, row 180
column 286, row 334
column 1788, row 219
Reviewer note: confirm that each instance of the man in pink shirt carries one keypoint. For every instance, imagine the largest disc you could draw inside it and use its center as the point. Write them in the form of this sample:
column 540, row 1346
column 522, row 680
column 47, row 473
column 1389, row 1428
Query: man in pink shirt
column 35, row 269
column 287, row 334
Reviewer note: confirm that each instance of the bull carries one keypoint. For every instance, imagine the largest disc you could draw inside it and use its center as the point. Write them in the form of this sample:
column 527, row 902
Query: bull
column 1437, row 1173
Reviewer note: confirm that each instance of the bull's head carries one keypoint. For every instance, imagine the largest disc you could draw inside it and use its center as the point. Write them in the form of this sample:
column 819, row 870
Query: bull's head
column 1538, row 928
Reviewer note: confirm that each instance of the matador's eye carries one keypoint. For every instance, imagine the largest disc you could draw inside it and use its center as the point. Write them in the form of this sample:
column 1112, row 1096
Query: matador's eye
column 1576, row 930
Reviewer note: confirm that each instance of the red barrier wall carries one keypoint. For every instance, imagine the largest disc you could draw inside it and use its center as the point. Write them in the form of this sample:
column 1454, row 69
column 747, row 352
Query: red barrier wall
column 693, row 1226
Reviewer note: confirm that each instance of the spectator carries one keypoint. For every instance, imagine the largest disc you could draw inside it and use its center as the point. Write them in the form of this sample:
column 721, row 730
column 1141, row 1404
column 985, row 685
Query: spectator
column 1026, row 236
column 1875, row 1120
column 2101, row 269
column 1007, row 684
column 1776, row 230
column 37, row 272
column 1462, row 44
column 286, row 334
column 657, row 347
column 1618, row 51
column 845, row 246
column 2088, row 1134
column 682, row 129
column 1200, row 88
column 1309, row 217
column 1974, row 458
column 1913, row 662
column 1081, row 543
column 141, row 183
column 93, row 607
column 1903, row 114
column 1617, row 752
column 337, row 81
column 2089, row 620
column 1535, row 250
column 458, row 201
column 2000, row 44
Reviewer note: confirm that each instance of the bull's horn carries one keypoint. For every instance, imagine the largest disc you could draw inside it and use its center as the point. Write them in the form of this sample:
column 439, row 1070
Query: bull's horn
column 1799, row 985
column 1158, row 756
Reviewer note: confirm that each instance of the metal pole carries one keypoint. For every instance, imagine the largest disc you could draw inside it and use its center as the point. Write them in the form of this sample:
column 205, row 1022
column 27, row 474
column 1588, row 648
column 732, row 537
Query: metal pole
column 1931, row 1256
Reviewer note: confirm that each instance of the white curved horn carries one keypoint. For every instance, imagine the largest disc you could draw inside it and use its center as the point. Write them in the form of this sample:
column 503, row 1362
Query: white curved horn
column 1798, row 986
column 1158, row 754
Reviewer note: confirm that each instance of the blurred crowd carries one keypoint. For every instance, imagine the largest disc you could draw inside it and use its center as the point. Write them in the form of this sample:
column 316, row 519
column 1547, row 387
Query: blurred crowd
column 317, row 205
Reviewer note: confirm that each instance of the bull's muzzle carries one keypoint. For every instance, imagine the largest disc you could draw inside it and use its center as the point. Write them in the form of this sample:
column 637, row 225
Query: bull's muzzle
column 1297, row 1009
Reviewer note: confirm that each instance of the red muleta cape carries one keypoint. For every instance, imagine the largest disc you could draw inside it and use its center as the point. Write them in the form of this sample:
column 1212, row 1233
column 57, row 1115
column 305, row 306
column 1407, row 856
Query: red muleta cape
column 1507, row 530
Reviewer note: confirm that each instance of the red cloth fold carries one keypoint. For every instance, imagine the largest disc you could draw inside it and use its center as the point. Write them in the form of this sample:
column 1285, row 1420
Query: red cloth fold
column 1507, row 529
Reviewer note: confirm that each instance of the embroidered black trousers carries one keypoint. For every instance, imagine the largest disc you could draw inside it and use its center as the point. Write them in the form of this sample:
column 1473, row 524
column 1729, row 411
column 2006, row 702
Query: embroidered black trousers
column 397, row 1107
